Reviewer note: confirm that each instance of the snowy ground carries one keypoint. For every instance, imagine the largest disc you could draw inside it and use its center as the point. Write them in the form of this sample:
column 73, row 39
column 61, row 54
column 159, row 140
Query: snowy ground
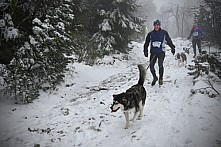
column 78, row 113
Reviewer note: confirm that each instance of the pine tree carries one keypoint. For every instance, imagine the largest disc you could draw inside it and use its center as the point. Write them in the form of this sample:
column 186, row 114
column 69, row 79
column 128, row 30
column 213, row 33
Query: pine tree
column 113, row 25
column 8, row 33
column 47, row 31
column 39, row 61
column 81, row 33
column 209, row 19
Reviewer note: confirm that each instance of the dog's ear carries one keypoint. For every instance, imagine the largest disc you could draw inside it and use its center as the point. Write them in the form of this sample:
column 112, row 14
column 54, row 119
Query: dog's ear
column 114, row 96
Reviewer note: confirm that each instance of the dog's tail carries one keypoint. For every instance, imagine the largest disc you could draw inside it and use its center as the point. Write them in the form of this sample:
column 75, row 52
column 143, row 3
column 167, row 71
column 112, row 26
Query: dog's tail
column 142, row 77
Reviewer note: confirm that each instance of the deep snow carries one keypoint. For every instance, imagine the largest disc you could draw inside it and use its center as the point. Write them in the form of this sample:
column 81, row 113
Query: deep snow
column 78, row 113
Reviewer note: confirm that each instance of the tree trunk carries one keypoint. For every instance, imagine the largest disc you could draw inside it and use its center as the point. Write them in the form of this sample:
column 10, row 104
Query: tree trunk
column 177, row 21
column 183, row 21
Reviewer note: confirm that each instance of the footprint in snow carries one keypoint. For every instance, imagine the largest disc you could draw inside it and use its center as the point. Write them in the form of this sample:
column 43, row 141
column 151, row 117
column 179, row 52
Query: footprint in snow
column 65, row 111
column 188, row 141
column 205, row 128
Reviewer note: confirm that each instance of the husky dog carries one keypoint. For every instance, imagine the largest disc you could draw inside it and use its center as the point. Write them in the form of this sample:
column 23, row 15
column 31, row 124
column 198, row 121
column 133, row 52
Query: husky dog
column 131, row 100
column 182, row 59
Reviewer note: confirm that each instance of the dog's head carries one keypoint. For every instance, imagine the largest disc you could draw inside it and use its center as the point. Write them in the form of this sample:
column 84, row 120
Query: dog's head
column 119, row 102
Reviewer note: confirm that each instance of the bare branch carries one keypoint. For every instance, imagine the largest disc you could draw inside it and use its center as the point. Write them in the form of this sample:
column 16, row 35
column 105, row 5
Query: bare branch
column 212, row 87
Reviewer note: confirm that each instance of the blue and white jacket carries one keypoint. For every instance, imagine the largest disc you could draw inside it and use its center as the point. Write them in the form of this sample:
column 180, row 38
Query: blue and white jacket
column 157, row 39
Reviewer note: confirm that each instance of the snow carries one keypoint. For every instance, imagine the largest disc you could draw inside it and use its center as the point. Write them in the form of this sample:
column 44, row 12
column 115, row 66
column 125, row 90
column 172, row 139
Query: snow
column 8, row 19
column 102, row 12
column 71, row 16
column 120, row 1
column 37, row 21
column 78, row 113
column 6, row 27
column 32, row 40
column 105, row 26
column 60, row 25
column 37, row 30
column 2, row 23
column 123, row 24
column 11, row 33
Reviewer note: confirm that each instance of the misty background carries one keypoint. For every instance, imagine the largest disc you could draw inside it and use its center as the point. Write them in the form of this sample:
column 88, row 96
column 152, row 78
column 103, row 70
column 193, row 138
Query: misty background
column 177, row 17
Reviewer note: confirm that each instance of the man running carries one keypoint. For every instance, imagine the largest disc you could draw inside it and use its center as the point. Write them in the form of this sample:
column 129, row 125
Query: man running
column 157, row 39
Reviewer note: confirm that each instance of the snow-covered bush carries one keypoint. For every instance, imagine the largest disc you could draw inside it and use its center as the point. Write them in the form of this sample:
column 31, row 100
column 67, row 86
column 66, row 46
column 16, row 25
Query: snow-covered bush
column 39, row 60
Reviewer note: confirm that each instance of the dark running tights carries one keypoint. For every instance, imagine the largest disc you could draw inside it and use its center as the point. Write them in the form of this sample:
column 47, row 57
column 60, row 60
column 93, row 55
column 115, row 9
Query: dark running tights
column 153, row 59
column 196, row 42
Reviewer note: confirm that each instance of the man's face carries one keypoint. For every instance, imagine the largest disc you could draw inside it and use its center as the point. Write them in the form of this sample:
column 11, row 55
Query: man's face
column 156, row 27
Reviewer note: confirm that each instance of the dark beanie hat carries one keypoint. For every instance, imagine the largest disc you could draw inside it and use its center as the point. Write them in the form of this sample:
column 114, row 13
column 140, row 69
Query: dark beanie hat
column 157, row 22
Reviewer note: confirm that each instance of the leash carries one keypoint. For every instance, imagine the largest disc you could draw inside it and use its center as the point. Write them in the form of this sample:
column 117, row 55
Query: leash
column 151, row 61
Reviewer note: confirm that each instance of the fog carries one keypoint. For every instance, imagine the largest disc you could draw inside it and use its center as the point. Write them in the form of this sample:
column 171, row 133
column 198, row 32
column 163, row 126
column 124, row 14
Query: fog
column 177, row 16
column 161, row 3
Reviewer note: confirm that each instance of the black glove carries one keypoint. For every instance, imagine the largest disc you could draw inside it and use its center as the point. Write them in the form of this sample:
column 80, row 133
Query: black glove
column 145, row 53
column 173, row 51
column 188, row 37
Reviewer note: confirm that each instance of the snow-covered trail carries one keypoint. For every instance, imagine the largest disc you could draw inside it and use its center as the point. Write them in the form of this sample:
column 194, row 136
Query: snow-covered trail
column 78, row 113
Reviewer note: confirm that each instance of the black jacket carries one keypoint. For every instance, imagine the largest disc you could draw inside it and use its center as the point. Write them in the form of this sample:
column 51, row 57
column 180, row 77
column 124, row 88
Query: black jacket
column 158, row 40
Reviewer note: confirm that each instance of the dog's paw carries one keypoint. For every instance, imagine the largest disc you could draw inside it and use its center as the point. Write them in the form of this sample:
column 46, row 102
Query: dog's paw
column 139, row 117
column 126, row 127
